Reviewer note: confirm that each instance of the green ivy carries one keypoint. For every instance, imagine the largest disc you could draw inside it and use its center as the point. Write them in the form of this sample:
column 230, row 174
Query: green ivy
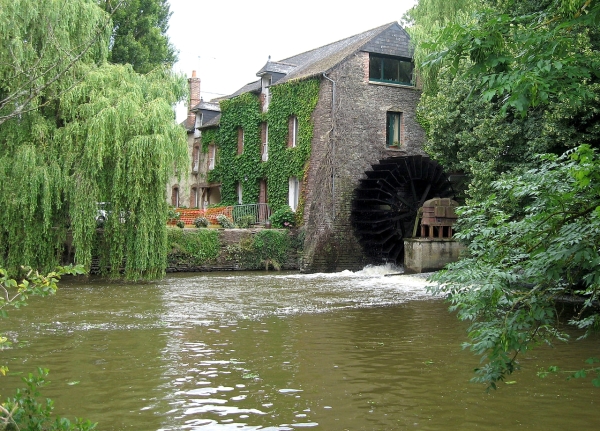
column 297, row 98
column 209, row 136
column 193, row 247
column 268, row 248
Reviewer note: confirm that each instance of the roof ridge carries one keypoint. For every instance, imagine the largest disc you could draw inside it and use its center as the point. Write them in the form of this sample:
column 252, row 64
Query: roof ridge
column 357, row 36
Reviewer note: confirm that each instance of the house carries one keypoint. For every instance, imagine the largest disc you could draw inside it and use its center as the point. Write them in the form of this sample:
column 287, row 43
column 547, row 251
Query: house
column 331, row 132
column 193, row 190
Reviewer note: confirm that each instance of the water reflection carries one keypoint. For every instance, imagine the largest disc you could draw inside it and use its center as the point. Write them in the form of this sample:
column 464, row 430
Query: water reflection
column 249, row 351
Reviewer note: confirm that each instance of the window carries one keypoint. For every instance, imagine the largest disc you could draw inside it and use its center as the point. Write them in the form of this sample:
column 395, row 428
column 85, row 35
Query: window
column 266, row 94
column 294, row 193
column 175, row 196
column 264, row 152
column 390, row 69
column 395, row 129
column 239, row 192
column 194, row 198
column 212, row 155
column 240, row 140
column 195, row 158
column 292, row 131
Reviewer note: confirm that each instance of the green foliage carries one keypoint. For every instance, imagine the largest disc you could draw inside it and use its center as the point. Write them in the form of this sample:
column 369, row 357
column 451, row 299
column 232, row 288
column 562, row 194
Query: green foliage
column 193, row 247
column 534, row 240
column 101, row 133
column 505, row 82
column 38, row 65
column 284, row 217
column 25, row 412
column 244, row 222
column 525, row 54
column 291, row 98
column 139, row 34
column 201, row 222
column 267, row 248
column 209, row 136
column 242, row 111
column 172, row 213
column 225, row 221
column 272, row 247
column 180, row 224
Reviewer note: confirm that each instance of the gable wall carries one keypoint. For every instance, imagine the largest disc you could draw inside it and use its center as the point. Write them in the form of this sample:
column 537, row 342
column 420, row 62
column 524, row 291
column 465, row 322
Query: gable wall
column 340, row 157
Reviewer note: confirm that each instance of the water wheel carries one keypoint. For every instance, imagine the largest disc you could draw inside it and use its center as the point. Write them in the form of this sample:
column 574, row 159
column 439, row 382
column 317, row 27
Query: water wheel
column 386, row 202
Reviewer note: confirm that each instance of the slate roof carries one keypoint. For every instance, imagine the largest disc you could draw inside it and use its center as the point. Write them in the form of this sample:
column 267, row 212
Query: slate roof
column 207, row 106
column 275, row 67
column 323, row 59
column 388, row 39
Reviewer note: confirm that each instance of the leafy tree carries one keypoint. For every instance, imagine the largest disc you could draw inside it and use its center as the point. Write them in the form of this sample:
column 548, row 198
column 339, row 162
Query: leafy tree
column 518, row 267
column 479, row 110
column 43, row 45
column 510, row 86
column 139, row 35
column 94, row 133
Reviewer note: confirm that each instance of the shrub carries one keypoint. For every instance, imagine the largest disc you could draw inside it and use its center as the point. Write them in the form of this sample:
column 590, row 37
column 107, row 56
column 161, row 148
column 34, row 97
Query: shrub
column 172, row 213
column 201, row 222
column 192, row 247
column 283, row 217
column 180, row 224
column 225, row 221
column 246, row 221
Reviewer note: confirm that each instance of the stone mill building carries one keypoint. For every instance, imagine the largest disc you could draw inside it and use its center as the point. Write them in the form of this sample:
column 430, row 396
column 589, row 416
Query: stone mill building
column 331, row 132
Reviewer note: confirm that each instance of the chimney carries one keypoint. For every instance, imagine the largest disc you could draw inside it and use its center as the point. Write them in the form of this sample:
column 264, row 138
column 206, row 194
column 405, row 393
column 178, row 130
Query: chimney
column 194, row 85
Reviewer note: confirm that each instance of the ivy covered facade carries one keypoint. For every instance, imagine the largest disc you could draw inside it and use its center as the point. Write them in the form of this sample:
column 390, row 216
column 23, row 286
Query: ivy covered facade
column 305, row 133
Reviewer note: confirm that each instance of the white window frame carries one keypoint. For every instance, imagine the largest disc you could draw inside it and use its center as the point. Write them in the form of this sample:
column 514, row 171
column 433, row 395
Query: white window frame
column 294, row 131
column 265, row 145
column 212, row 156
column 239, row 190
column 293, row 193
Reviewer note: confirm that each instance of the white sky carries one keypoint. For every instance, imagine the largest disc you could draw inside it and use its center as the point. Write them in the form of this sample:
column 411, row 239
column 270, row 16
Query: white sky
column 228, row 41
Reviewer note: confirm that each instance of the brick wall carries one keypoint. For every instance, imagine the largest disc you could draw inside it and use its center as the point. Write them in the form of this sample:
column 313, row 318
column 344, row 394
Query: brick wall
column 344, row 146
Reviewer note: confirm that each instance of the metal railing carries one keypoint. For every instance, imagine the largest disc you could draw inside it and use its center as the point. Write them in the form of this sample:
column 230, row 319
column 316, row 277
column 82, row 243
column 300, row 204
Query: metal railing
column 261, row 212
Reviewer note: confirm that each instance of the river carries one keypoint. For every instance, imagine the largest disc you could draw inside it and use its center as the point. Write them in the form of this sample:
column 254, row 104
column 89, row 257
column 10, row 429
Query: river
column 280, row 351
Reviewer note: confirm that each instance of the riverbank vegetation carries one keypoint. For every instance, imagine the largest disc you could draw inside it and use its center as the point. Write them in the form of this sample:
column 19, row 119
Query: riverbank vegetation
column 76, row 130
column 512, row 99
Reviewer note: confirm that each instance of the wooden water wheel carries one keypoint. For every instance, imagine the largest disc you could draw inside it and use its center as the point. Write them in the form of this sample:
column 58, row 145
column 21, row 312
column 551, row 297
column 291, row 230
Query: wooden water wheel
column 386, row 203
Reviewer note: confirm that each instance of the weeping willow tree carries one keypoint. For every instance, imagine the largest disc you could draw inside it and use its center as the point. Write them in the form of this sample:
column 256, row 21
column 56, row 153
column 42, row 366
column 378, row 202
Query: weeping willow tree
column 75, row 131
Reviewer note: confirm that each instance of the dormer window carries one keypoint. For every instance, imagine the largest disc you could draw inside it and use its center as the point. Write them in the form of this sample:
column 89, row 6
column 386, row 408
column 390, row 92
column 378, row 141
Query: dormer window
column 395, row 70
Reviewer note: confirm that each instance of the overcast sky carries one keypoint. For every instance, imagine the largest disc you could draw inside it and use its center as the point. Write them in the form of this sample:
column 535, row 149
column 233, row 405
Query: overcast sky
column 228, row 41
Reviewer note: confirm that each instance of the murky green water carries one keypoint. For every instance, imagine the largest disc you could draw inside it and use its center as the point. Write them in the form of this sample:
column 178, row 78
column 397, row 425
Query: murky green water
column 223, row 351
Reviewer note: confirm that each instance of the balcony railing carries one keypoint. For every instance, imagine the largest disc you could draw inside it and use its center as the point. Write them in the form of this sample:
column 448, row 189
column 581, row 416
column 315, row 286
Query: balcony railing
column 261, row 212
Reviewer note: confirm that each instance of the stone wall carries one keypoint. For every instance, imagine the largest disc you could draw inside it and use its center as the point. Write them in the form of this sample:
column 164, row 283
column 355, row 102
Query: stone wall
column 349, row 137
column 227, row 262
